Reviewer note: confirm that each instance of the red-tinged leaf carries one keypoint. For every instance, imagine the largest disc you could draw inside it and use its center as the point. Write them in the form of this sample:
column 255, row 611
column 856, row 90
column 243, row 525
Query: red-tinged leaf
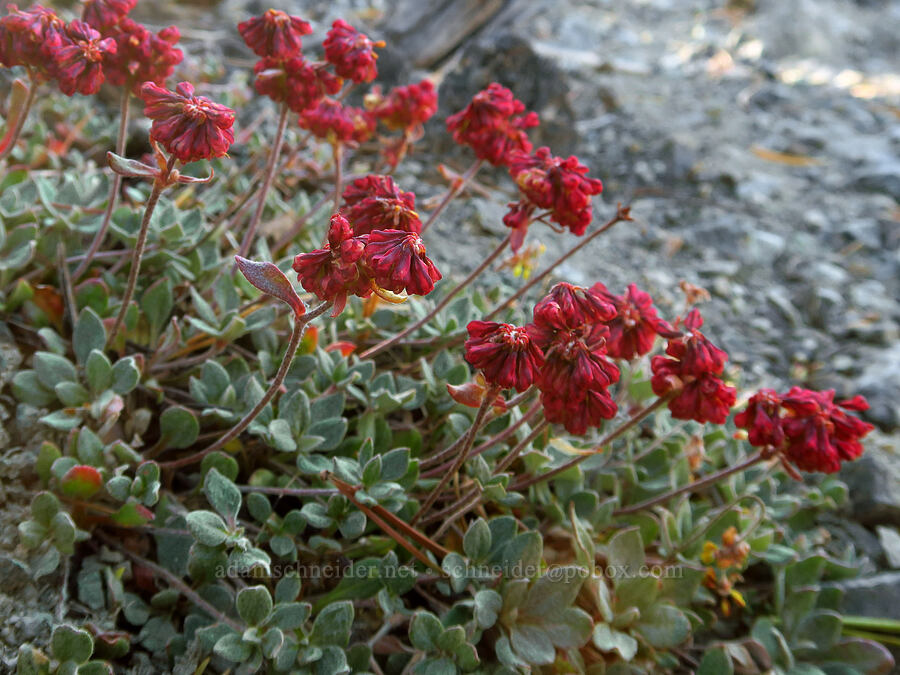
column 270, row 280
column 345, row 348
column 471, row 394
column 50, row 301
column 81, row 482
column 15, row 109
column 132, row 515
column 181, row 178
column 310, row 340
column 130, row 168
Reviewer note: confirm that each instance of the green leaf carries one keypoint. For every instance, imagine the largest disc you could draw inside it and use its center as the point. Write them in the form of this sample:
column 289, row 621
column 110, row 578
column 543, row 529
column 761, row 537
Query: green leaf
column 98, row 371
column 231, row 648
column 332, row 625
column 179, row 427
column 27, row 388
column 44, row 506
column 89, row 334
column 71, row 644
column 63, row 530
column 487, row 606
column 626, row 552
column 270, row 280
column 716, row 661
column 207, row 527
column 125, row 375
column 132, row 515
column 81, row 482
column 477, row 540
column 71, row 394
column 157, row 303
column 89, row 447
column 532, row 644
column 52, row 369
column 331, row 432
column 222, row 494
column 254, row 604
column 424, row 630
column 608, row 640
column 664, row 626
column 290, row 615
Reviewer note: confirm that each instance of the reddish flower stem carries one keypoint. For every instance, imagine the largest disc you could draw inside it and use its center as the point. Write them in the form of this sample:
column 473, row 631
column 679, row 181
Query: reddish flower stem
column 384, row 344
column 455, row 188
column 113, row 191
column 300, row 324
column 755, row 458
column 622, row 213
column 491, row 442
column 20, row 123
column 338, row 174
column 633, row 420
column 158, row 186
column 489, row 395
column 267, row 182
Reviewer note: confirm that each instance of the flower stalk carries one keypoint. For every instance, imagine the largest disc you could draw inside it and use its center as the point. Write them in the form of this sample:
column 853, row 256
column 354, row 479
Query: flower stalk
column 456, row 187
column 12, row 135
column 301, row 322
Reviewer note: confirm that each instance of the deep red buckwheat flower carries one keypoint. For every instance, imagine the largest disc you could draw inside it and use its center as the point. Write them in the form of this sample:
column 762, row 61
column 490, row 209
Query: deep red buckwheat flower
column 493, row 125
column 398, row 262
column 336, row 270
column 407, row 107
column 351, row 53
column 295, row 81
column 692, row 375
column 762, row 419
column 375, row 202
column 275, row 34
column 819, row 433
column 334, row 122
column 504, row 353
column 634, row 329
column 141, row 55
column 104, row 14
column 24, row 36
column 554, row 184
column 589, row 408
column 78, row 56
column 568, row 306
column 187, row 126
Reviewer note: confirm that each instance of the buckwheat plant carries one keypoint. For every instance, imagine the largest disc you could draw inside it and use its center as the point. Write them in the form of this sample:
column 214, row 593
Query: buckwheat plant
column 395, row 468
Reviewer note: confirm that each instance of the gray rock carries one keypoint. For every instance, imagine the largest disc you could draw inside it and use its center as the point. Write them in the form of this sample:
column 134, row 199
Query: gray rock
column 877, row 595
column 885, row 180
column 874, row 482
column 889, row 538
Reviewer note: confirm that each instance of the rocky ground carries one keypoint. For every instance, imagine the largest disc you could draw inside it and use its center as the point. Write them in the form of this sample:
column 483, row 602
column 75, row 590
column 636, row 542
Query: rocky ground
column 757, row 142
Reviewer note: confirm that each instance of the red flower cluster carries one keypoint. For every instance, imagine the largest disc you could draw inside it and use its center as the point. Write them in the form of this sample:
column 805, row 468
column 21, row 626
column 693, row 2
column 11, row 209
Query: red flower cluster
column 351, row 53
column 406, row 107
column 493, row 125
column 554, row 184
column 187, row 126
column 27, row 39
column 377, row 203
column 569, row 327
column 78, row 53
column 506, row 354
column 636, row 324
column 141, row 55
column 298, row 82
column 105, row 14
column 274, row 35
column 337, row 123
column 692, row 375
column 813, row 432
column 350, row 264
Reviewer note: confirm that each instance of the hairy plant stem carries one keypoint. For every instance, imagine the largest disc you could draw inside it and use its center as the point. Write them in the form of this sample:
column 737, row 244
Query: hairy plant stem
column 174, row 582
column 113, row 191
column 159, row 185
column 622, row 213
column 489, row 395
column 455, row 188
column 609, row 438
column 300, row 324
column 338, row 174
column 20, row 123
column 755, row 458
column 290, row 492
column 431, row 470
column 384, row 344
column 468, row 501
column 267, row 182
